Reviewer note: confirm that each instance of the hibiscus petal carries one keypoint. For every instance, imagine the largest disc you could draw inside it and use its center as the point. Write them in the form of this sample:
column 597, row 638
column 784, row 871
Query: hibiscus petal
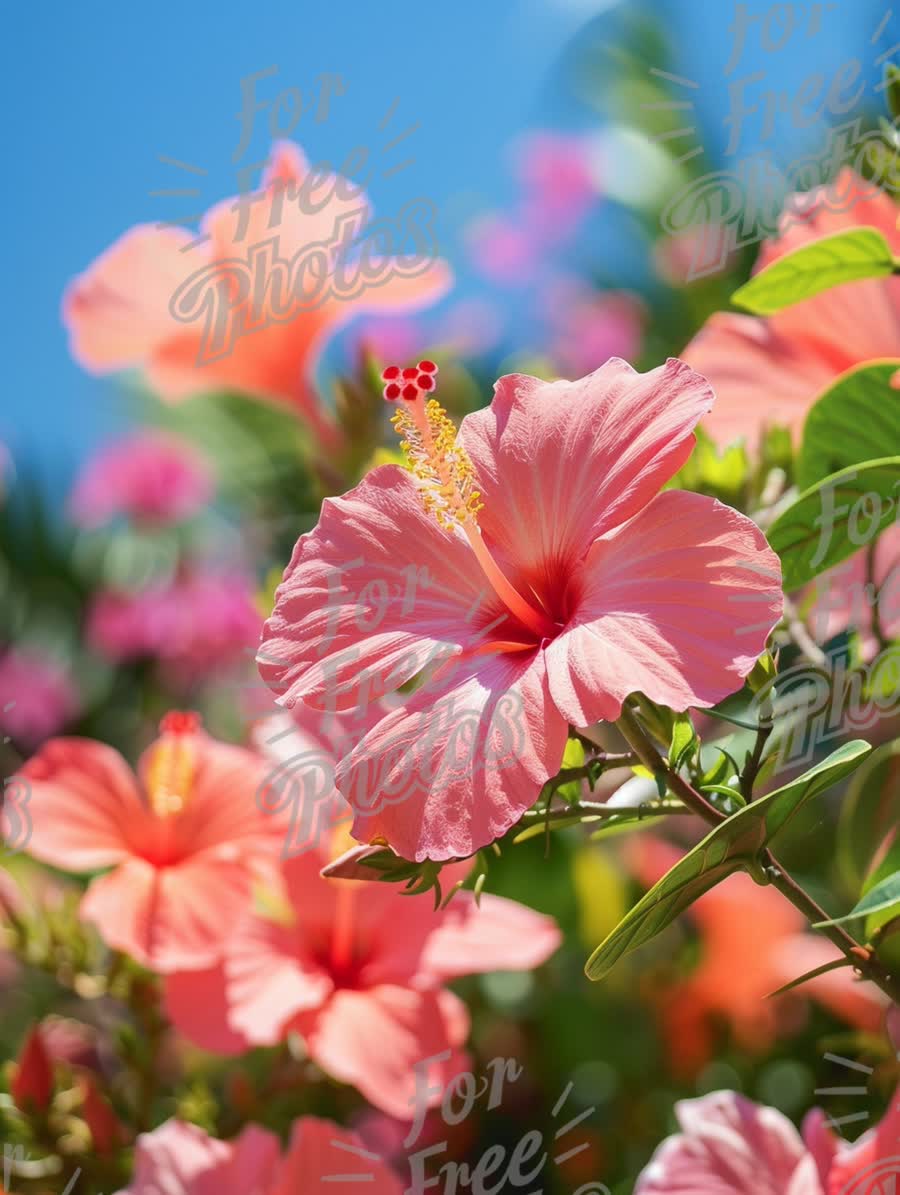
column 495, row 935
column 875, row 1156
column 637, row 626
column 117, row 311
column 84, row 805
column 729, row 1146
column 459, row 763
column 378, row 1040
column 559, row 463
column 761, row 378
column 320, row 1150
column 371, row 596
column 171, row 918
column 197, row 1004
column 178, row 1157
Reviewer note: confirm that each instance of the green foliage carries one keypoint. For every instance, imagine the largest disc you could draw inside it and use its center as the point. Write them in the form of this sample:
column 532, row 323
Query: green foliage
column 816, row 267
column 851, row 423
column 883, row 897
column 733, row 845
column 835, row 518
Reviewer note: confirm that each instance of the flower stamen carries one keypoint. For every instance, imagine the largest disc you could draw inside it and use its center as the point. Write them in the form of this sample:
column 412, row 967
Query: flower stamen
column 172, row 764
column 447, row 477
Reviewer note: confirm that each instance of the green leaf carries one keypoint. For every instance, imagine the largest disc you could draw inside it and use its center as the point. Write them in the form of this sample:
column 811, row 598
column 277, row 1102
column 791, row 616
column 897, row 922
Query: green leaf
column 835, row 518
column 851, row 423
column 829, row 261
column 892, row 89
column 824, row 969
column 869, row 812
column 885, row 895
column 733, row 845
column 684, row 741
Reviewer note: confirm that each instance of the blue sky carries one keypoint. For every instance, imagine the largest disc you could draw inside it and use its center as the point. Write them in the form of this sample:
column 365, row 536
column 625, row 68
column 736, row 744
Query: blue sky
column 96, row 92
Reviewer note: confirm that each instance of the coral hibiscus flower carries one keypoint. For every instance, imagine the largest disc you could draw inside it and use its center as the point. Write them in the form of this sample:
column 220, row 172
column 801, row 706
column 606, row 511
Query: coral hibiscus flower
column 359, row 973
column 531, row 572
column 730, row 1146
column 181, row 1158
column 770, row 371
column 216, row 312
column 184, row 839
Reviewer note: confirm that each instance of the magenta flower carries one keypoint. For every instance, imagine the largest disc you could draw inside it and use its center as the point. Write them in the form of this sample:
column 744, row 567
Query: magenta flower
column 532, row 570
column 730, row 1146
column 149, row 476
column 195, row 624
column 37, row 696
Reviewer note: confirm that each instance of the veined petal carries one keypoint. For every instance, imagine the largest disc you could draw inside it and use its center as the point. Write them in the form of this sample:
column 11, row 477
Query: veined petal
column 637, row 624
column 84, row 806
column 378, row 1040
column 372, row 596
column 560, row 463
column 460, row 762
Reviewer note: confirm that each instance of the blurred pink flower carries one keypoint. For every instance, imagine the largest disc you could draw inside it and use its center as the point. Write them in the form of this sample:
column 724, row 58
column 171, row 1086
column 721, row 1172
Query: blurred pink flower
column 196, row 624
column 557, row 183
column 502, row 250
column 588, row 327
column 149, row 476
column 752, row 943
column 179, row 1158
column 730, row 1146
column 37, row 695
column 360, row 975
column 120, row 310
column 770, row 371
column 568, row 476
column 184, row 838
column 557, row 189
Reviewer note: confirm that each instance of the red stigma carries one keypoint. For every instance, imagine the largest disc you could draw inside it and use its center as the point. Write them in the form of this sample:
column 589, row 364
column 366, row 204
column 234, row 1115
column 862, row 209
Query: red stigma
column 180, row 722
column 419, row 379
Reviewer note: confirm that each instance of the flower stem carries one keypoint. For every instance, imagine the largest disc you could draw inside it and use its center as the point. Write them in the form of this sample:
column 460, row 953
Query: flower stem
column 863, row 960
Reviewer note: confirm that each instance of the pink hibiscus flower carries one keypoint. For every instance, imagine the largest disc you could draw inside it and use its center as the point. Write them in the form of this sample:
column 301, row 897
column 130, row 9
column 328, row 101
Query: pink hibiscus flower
column 181, row 1159
column 37, row 695
column 241, row 325
column 730, row 1146
column 533, row 570
column 184, row 838
column 770, row 371
column 367, row 997
column 752, row 943
column 149, row 476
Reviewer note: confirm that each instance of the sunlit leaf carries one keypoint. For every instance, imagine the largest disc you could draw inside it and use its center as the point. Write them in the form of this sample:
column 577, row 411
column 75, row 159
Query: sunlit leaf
column 851, row 423
column 816, row 267
column 734, row 845
column 835, row 518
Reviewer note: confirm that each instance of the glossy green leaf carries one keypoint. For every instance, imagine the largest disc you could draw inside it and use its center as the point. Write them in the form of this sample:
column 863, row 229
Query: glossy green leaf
column 733, row 845
column 884, row 896
column 851, row 423
column 816, row 267
column 869, row 812
column 835, row 518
